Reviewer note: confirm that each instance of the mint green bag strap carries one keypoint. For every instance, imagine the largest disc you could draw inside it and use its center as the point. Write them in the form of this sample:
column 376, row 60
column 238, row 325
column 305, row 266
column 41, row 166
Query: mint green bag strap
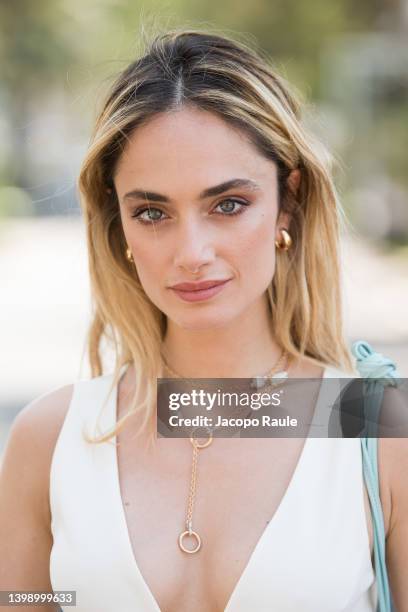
column 379, row 371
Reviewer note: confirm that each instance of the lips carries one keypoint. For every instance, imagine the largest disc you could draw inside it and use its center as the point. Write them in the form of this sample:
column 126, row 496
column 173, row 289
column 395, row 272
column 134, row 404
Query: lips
column 198, row 286
column 202, row 291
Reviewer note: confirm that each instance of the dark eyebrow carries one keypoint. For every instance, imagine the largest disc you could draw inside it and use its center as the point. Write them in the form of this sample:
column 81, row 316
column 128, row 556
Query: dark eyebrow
column 232, row 184
column 141, row 194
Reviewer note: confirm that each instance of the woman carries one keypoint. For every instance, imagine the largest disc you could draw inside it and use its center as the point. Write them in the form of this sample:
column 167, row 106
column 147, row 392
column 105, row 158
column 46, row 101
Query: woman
column 200, row 172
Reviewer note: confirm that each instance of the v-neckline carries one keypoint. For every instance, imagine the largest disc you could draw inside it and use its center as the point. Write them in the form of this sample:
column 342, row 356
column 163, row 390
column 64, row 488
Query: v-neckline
column 134, row 571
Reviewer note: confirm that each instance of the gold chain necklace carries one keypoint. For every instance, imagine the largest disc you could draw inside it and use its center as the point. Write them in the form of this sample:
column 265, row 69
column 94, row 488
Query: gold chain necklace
column 257, row 382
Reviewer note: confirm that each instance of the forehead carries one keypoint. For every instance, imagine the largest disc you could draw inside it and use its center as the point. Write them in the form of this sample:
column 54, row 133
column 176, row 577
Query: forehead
column 190, row 143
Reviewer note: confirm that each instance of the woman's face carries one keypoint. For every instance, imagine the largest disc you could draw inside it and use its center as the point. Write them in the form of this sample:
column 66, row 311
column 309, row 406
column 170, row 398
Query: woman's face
column 199, row 203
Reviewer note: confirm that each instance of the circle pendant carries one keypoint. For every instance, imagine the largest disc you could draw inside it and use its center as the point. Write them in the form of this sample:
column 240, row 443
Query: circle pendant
column 191, row 533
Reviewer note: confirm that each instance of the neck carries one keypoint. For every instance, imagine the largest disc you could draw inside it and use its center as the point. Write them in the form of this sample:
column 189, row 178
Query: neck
column 244, row 347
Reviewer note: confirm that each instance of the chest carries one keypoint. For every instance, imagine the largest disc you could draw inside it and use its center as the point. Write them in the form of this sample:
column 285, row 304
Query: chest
column 247, row 506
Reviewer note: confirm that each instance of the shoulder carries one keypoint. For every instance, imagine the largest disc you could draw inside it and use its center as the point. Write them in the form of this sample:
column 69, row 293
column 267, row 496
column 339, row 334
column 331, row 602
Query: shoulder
column 25, row 519
column 393, row 457
column 41, row 419
column 32, row 438
column 392, row 468
column 37, row 426
column 30, row 445
column 43, row 414
column 25, row 516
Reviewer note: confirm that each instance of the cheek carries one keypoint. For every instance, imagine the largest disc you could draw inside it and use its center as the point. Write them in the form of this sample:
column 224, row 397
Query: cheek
column 148, row 262
column 256, row 248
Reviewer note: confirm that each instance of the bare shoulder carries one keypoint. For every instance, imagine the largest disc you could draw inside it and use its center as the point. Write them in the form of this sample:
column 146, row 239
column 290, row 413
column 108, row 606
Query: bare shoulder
column 25, row 518
column 393, row 468
column 32, row 438
column 41, row 420
column 46, row 413
column 393, row 454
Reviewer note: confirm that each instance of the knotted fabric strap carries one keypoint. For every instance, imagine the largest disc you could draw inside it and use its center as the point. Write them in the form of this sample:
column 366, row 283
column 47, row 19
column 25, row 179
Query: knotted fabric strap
column 382, row 372
column 374, row 365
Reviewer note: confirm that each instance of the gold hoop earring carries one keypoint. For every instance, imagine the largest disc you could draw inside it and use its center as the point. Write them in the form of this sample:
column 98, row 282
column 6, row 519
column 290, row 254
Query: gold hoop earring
column 129, row 255
column 287, row 241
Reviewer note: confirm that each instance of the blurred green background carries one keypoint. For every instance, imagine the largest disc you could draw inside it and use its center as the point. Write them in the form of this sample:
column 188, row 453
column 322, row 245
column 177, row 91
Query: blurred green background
column 348, row 59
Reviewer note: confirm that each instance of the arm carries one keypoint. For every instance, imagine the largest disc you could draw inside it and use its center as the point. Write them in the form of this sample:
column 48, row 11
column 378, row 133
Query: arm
column 395, row 457
column 25, row 533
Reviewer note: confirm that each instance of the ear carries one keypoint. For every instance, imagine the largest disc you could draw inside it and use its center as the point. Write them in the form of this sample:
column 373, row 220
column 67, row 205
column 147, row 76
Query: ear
column 283, row 222
column 293, row 180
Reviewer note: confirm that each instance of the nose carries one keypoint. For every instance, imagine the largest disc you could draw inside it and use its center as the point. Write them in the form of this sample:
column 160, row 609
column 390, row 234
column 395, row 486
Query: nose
column 194, row 246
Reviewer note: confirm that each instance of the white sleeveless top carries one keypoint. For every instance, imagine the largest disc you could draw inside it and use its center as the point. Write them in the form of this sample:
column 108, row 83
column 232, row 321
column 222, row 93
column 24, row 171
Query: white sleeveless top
column 313, row 556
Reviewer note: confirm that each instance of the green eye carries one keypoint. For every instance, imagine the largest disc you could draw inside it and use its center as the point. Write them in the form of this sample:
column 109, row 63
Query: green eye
column 153, row 215
column 229, row 206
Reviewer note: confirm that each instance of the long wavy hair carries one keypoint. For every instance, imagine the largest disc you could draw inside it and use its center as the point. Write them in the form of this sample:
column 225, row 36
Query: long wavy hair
column 227, row 77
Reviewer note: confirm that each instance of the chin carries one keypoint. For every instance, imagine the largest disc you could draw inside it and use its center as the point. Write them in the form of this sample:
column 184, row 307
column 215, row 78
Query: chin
column 201, row 321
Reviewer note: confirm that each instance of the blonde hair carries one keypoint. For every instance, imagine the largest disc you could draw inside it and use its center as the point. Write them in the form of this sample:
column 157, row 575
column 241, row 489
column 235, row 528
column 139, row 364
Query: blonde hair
column 227, row 77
